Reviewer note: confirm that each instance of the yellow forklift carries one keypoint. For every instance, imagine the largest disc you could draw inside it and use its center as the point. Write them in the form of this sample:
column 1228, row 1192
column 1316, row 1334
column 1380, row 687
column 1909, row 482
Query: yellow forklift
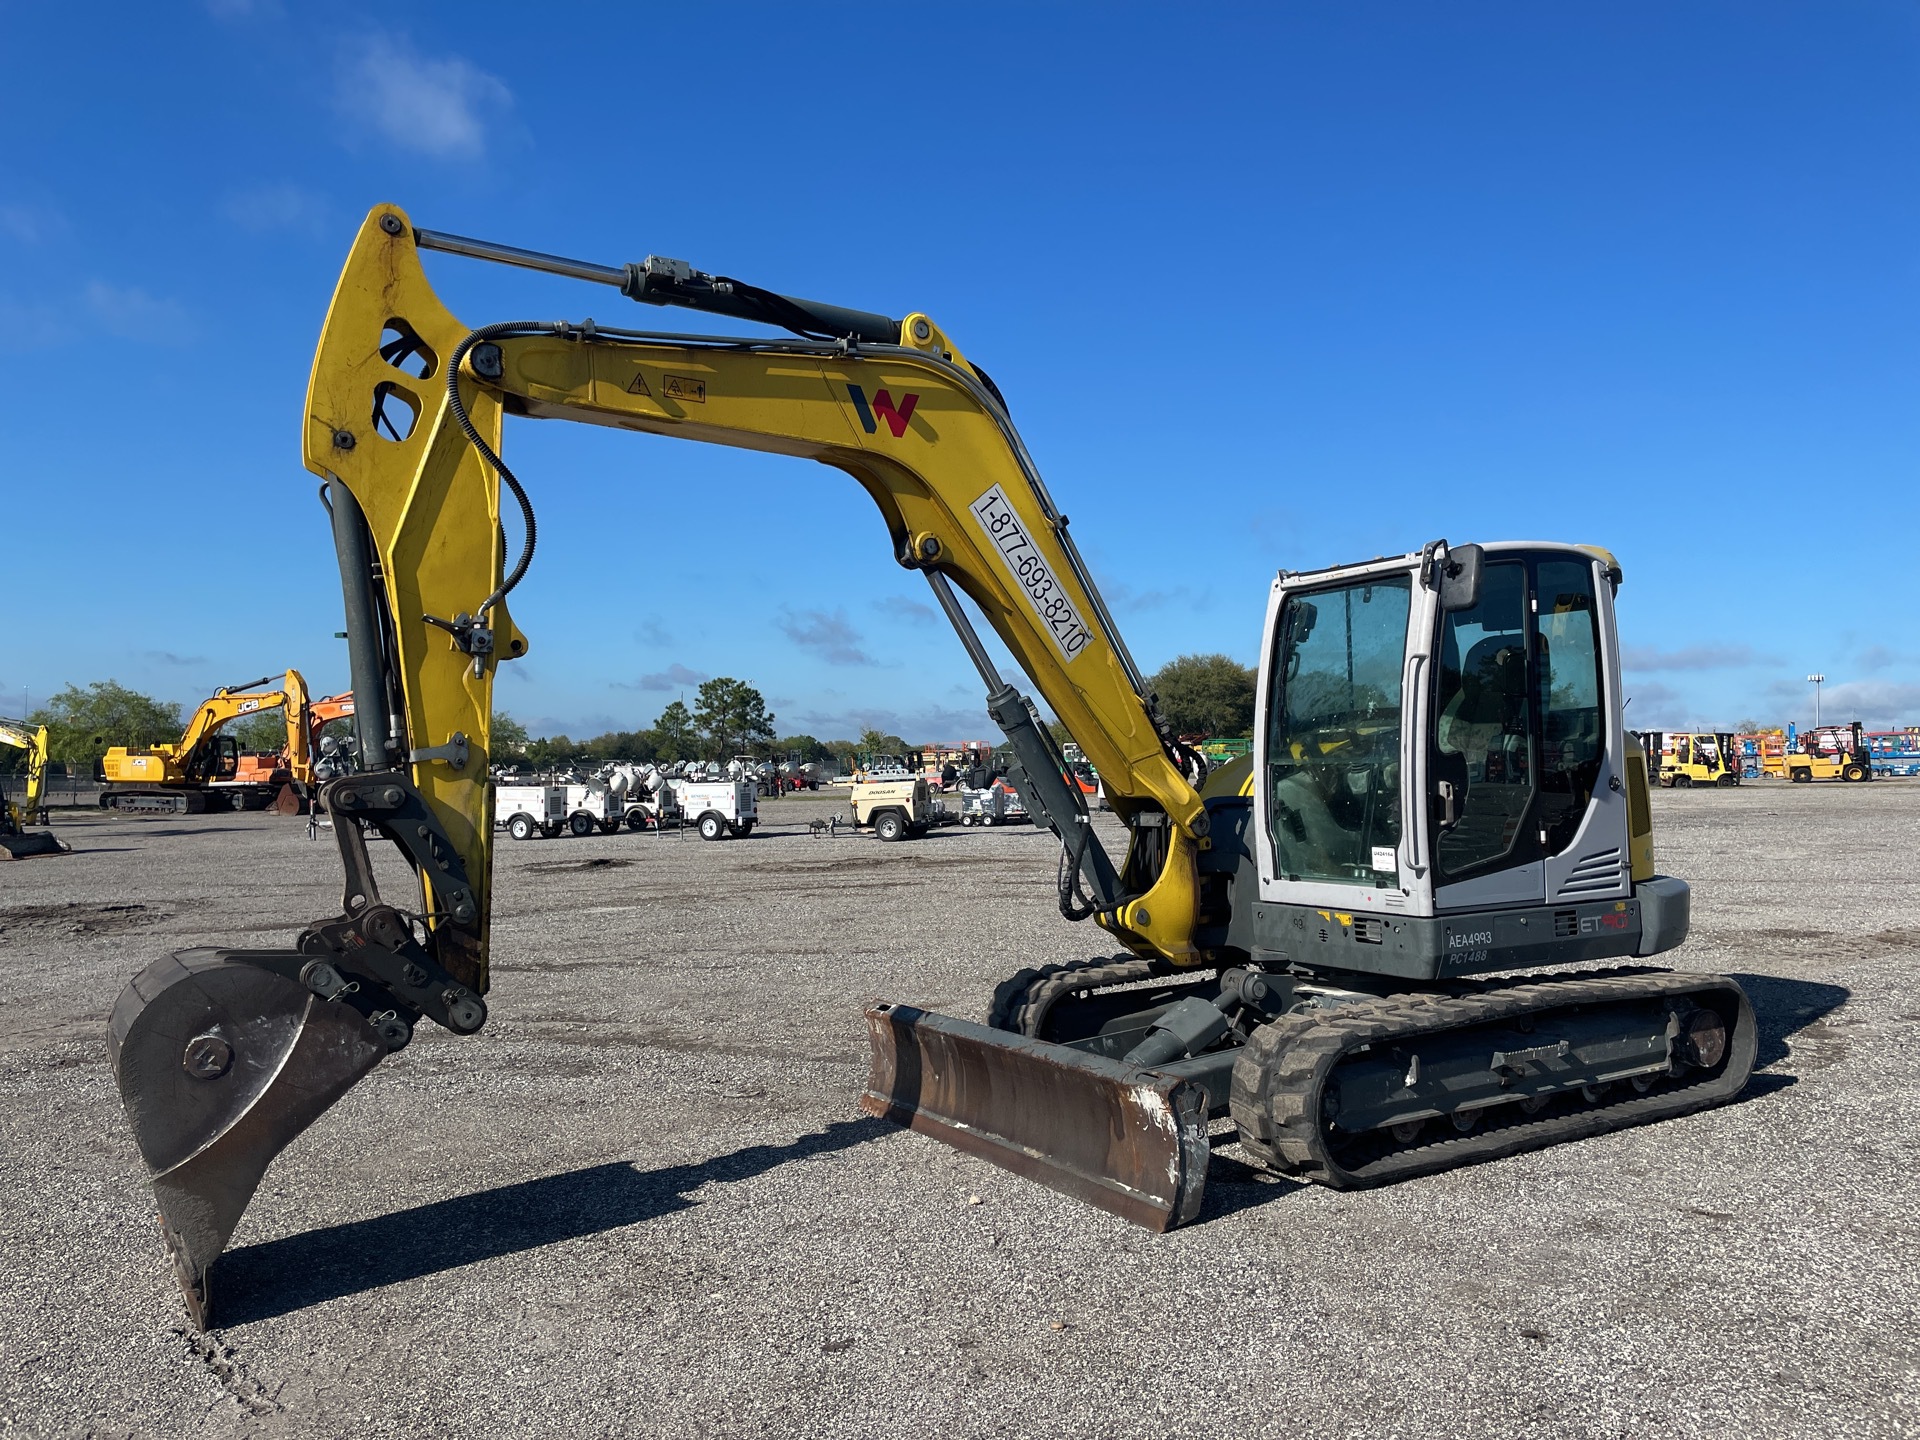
column 1830, row 752
column 1682, row 759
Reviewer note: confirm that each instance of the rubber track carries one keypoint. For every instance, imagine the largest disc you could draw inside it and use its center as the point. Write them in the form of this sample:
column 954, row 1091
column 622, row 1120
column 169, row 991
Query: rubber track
column 1280, row 1077
column 1022, row 1000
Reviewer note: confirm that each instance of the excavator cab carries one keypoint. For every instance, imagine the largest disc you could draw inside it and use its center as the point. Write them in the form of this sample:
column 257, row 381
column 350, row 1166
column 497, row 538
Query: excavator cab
column 1427, row 753
column 219, row 759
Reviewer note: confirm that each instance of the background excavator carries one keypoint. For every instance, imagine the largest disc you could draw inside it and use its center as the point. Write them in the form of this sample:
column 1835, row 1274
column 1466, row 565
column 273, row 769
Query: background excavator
column 17, row 840
column 1316, row 941
column 205, row 769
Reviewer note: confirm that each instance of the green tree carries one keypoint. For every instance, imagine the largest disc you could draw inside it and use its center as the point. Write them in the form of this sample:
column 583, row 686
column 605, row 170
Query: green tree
column 804, row 746
column 265, row 732
column 879, row 742
column 617, row 745
column 731, row 717
column 843, row 753
column 83, row 722
column 552, row 752
column 509, row 736
column 1209, row 696
column 673, row 734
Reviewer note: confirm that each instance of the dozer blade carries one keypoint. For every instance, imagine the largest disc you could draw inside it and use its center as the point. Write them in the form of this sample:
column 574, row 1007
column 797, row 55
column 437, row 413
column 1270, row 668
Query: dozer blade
column 220, row 1064
column 1129, row 1140
column 30, row 843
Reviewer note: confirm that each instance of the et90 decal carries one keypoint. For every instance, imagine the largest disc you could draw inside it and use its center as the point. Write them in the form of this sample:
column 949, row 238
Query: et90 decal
column 1058, row 616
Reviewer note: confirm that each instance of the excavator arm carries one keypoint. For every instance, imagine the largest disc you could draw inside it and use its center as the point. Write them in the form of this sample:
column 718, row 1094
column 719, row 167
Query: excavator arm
column 224, row 1056
column 907, row 417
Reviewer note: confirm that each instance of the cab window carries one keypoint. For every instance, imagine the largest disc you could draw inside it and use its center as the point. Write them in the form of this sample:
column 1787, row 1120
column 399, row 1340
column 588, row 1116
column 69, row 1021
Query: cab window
column 1572, row 732
column 1333, row 733
column 1483, row 758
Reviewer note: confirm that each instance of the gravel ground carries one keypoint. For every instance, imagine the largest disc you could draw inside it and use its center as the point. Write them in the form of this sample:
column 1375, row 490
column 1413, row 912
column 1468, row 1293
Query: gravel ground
column 644, row 1202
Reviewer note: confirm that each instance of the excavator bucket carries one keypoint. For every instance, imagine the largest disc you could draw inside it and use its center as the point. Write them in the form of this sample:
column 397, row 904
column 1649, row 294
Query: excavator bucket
column 1129, row 1140
column 29, row 843
column 286, row 801
column 221, row 1063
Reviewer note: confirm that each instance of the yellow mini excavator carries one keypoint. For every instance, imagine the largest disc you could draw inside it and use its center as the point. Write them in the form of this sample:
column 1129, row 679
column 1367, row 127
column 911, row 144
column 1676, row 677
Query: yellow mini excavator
column 204, row 769
column 17, row 841
column 1319, row 942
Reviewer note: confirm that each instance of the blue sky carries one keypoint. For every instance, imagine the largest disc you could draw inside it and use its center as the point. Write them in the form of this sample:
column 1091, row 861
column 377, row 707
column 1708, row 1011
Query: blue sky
column 1274, row 286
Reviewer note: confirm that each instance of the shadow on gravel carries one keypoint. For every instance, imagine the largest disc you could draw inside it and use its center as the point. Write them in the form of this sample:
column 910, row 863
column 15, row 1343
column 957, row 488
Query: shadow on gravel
column 1780, row 1007
column 281, row 1276
column 1233, row 1186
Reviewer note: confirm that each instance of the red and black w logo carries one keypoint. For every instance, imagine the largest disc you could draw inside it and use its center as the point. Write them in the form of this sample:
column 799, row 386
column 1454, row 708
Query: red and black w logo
column 883, row 406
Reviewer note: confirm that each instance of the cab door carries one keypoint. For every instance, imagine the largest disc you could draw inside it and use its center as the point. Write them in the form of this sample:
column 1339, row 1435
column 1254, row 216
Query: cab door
column 1330, row 746
column 1527, row 794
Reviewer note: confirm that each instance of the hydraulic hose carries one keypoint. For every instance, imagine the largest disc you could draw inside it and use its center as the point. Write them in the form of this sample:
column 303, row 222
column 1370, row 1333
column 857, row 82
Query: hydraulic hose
column 487, row 453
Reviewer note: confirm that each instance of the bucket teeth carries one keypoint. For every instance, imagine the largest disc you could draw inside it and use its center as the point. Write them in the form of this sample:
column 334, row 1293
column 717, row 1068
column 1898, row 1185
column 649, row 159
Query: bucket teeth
column 221, row 1062
column 1130, row 1140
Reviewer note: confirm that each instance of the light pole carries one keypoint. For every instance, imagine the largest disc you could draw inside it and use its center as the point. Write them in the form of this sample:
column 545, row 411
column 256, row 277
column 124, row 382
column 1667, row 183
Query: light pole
column 1816, row 681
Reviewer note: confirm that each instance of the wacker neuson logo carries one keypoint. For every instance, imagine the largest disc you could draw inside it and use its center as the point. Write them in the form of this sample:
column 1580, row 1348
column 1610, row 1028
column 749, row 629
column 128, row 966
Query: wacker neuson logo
column 883, row 406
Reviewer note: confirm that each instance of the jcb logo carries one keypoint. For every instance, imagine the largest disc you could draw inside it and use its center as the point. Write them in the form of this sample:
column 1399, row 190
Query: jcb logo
column 895, row 416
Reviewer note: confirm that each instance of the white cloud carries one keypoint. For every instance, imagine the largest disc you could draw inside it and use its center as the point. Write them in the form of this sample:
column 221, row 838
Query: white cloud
column 902, row 608
column 1877, row 704
column 132, row 314
column 1691, row 657
column 1122, row 596
column 674, row 677
column 830, row 637
column 284, row 206
column 439, row 107
column 933, row 723
column 1879, row 657
column 576, row 727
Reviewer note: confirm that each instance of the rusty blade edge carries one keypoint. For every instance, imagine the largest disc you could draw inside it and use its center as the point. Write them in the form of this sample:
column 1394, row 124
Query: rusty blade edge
column 1126, row 1088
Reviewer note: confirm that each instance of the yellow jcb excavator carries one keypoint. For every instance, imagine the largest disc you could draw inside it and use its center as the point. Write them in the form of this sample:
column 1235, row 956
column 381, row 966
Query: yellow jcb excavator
column 204, row 769
column 17, row 841
column 1320, row 943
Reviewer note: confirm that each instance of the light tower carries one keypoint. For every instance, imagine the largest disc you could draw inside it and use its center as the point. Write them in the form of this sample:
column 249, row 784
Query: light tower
column 1816, row 681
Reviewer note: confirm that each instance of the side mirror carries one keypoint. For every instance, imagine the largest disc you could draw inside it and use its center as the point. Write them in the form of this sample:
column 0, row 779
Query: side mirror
column 1460, row 578
column 1305, row 615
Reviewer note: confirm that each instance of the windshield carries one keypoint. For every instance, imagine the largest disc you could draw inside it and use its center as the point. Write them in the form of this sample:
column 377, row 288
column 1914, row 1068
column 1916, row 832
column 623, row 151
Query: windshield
column 1333, row 733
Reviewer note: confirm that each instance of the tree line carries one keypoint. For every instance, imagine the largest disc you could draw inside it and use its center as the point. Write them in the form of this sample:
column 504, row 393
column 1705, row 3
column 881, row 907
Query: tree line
column 1198, row 695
